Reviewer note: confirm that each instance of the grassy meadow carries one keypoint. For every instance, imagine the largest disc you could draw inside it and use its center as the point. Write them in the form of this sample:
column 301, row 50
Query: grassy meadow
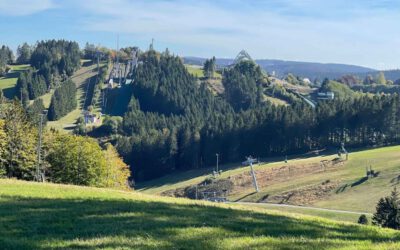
column 50, row 216
column 8, row 82
column 353, row 191
column 197, row 71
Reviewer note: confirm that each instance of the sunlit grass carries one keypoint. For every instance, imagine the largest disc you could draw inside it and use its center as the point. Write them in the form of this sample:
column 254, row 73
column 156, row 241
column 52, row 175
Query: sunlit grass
column 197, row 71
column 8, row 82
column 360, row 198
column 47, row 216
column 80, row 78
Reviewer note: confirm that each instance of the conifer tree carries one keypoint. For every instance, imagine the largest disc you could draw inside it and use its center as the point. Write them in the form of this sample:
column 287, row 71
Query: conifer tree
column 63, row 101
column 388, row 211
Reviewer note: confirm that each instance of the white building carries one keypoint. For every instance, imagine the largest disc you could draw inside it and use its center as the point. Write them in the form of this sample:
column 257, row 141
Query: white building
column 326, row 95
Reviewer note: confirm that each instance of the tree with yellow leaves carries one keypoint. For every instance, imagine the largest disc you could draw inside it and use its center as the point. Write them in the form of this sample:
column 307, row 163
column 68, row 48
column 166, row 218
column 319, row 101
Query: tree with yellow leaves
column 117, row 171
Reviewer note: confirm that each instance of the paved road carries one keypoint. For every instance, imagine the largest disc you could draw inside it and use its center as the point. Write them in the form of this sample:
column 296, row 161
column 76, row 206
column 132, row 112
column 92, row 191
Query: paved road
column 301, row 207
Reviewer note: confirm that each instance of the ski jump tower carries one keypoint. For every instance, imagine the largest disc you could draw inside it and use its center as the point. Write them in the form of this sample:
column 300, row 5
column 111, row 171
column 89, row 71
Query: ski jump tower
column 242, row 56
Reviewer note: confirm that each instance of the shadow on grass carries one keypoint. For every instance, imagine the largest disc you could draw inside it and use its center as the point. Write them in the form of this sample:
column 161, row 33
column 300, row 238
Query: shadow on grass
column 28, row 223
column 359, row 182
column 247, row 195
column 9, row 92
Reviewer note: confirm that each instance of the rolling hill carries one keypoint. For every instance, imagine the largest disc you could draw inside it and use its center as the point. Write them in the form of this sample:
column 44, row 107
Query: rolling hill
column 49, row 216
column 310, row 70
column 319, row 181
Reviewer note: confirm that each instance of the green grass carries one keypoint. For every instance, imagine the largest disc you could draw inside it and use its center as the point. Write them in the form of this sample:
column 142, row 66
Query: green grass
column 197, row 71
column 332, row 215
column 81, row 79
column 49, row 216
column 191, row 177
column 8, row 82
column 46, row 98
column 276, row 101
column 352, row 193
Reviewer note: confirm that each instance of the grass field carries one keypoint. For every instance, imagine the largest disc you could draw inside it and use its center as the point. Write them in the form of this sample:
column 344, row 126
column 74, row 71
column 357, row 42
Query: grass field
column 276, row 101
column 332, row 215
column 7, row 83
column 197, row 71
column 353, row 191
column 49, row 216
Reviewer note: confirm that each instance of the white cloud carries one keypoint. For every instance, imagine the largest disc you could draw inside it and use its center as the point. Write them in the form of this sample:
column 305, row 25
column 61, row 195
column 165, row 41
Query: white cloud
column 295, row 30
column 354, row 32
column 24, row 7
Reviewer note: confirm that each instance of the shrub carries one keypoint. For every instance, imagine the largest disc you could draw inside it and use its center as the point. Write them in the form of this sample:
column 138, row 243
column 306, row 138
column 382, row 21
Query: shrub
column 363, row 220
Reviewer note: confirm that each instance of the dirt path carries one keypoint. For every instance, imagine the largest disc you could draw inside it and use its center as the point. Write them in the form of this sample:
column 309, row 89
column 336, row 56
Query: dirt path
column 300, row 207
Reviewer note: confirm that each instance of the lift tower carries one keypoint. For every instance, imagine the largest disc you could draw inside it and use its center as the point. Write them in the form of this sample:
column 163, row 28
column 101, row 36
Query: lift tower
column 250, row 160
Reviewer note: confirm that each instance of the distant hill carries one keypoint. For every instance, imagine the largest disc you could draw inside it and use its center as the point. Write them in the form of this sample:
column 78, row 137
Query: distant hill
column 389, row 74
column 305, row 69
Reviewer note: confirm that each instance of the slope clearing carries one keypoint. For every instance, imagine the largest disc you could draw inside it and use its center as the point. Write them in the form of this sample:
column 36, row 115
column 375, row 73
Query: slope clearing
column 8, row 82
column 48, row 216
column 84, row 78
column 317, row 181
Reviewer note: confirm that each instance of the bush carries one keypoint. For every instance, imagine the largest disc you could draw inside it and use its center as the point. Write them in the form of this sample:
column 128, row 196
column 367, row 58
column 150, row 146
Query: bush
column 81, row 161
column 111, row 124
column 363, row 220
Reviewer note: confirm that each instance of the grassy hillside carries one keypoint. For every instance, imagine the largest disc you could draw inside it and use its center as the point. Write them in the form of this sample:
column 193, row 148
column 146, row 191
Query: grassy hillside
column 7, row 83
column 48, row 216
column 84, row 77
column 197, row 71
column 302, row 180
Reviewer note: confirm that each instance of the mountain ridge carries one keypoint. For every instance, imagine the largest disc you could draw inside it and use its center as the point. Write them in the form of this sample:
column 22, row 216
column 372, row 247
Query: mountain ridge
column 312, row 70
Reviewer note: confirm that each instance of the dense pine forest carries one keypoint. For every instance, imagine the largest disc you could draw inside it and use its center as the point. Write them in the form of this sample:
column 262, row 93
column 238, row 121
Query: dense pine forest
column 175, row 123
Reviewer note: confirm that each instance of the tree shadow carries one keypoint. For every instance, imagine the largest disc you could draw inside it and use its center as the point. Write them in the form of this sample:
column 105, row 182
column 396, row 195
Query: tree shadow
column 9, row 92
column 342, row 188
column 359, row 182
column 28, row 223
column 247, row 195
column 395, row 180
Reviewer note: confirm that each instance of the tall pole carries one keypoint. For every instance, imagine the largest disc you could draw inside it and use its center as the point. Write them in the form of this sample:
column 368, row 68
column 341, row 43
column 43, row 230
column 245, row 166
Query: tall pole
column 98, row 62
column 118, row 69
column 254, row 177
column 250, row 160
column 39, row 150
column 217, row 161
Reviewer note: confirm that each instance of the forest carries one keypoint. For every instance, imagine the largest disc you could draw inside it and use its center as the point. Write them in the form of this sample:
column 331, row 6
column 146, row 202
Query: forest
column 27, row 152
column 175, row 123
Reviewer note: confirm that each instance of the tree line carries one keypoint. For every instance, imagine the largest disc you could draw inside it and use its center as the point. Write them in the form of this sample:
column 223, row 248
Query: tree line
column 66, row 158
column 52, row 62
column 6, row 58
column 63, row 101
column 173, row 123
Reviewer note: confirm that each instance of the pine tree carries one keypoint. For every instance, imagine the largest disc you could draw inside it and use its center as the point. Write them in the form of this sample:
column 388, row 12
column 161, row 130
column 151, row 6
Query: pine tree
column 24, row 54
column 388, row 211
column 63, row 101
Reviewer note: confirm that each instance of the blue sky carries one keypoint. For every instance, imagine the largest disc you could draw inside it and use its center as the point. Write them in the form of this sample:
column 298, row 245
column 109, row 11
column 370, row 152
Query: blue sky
column 362, row 32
